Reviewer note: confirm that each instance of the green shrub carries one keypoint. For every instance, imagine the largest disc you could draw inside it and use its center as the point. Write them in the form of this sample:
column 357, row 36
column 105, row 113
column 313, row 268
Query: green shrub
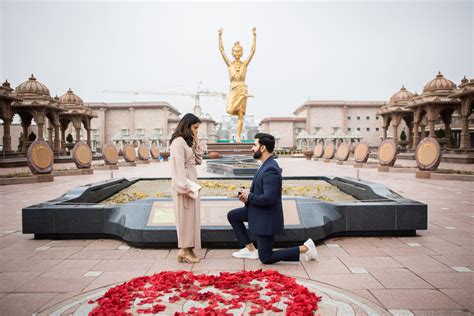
column 403, row 136
column 69, row 138
column 440, row 133
column 32, row 137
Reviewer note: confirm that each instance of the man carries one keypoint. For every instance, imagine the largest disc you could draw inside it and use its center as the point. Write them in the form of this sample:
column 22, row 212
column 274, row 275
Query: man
column 264, row 212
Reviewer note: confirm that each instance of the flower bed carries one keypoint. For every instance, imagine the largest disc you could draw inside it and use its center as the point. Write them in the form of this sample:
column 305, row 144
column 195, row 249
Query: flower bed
column 244, row 292
column 317, row 189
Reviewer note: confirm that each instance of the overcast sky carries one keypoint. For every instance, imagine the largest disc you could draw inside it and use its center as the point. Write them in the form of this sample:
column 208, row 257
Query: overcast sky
column 319, row 50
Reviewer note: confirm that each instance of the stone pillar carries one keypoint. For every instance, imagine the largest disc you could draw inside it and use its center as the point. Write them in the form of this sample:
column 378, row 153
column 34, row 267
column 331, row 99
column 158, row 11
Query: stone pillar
column 410, row 136
column 78, row 134
column 416, row 136
column 465, row 142
column 25, row 126
column 77, row 126
column 50, row 136
column 7, row 139
column 384, row 132
column 447, row 128
column 57, row 140
column 423, row 132
column 395, row 135
column 63, row 137
column 431, row 124
column 40, row 131
column 89, row 138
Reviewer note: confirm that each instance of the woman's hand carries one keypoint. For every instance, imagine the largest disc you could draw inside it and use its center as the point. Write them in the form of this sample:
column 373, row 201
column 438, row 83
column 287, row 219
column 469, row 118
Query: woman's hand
column 196, row 142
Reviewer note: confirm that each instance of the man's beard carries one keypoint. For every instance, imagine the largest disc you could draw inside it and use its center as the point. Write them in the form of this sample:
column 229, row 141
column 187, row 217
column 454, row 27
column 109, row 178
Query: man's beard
column 257, row 154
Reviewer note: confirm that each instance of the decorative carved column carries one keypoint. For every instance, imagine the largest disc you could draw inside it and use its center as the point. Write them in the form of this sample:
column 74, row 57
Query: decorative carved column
column 7, row 139
column 25, row 123
column 63, row 126
column 384, row 128
column 410, row 136
column 431, row 125
column 50, row 136
column 395, row 123
column 447, row 127
column 89, row 139
column 57, row 139
column 416, row 135
column 465, row 143
column 423, row 131
column 39, row 118
column 395, row 134
column 77, row 126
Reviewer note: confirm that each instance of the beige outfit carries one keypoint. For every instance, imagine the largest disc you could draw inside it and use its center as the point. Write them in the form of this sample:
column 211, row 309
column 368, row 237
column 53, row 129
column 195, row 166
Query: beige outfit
column 188, row 210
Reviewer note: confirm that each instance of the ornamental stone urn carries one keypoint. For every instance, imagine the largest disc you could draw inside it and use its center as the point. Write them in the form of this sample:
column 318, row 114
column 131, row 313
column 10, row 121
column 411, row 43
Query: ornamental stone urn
column 165, row 155
column 403, row 144
column 308, row 154
column 213, row 155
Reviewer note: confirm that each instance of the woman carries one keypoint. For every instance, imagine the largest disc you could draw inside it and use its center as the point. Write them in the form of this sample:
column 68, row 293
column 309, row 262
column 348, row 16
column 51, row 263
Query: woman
column 185, row 155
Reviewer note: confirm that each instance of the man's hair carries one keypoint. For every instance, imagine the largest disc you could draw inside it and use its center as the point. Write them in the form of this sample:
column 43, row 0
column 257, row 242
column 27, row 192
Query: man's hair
column 267, row 140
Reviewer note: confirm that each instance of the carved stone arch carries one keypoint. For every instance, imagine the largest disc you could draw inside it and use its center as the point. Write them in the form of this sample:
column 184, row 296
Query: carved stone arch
column 86, row 122
column 52, row 116
column 387, row 118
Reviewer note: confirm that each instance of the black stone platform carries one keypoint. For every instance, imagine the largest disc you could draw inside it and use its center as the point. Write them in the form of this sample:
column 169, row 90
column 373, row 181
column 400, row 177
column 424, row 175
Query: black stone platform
column 233, row 166
column 230, row 149
column 76, row 214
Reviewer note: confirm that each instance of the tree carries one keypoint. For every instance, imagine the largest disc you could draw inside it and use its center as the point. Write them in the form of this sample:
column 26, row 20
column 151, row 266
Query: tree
column 32, row 137
column 440, row 133
column 403, row 136
column 20, row 142
column 69, row 138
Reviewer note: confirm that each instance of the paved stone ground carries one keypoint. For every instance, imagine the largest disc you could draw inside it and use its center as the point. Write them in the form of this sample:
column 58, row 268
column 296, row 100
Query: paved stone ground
column 430, row 274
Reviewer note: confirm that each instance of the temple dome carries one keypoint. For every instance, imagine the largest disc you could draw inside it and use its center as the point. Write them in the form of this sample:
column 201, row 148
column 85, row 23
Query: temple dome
column 401, row 95
column 439, row 83
column 32, row 86
column 69, row 98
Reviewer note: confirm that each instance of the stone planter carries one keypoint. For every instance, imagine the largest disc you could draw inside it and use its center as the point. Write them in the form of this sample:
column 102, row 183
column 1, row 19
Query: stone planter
column 165, row 155
column 213, row 155
column 442, row 142
column 70, row 146
column 308, row 154
column 403, row 144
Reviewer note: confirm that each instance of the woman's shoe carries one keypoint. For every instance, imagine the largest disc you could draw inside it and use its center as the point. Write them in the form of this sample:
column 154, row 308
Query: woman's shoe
column 187, row 256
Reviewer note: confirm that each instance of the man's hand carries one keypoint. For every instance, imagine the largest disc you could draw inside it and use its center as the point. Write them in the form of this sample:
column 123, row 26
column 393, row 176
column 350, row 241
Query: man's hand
column 254, row 31
column 244, row 195
column 220, row 31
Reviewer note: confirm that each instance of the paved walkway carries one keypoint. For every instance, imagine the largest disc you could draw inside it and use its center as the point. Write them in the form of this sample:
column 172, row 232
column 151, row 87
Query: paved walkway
column 430, row 274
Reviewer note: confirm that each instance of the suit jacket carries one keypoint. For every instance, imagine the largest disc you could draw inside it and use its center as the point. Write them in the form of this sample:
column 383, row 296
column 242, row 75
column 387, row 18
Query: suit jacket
column 265, row 211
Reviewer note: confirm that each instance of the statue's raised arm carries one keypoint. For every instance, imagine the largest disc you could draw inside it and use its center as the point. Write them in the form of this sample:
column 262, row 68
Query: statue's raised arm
column 254, row 46
column 221, row 48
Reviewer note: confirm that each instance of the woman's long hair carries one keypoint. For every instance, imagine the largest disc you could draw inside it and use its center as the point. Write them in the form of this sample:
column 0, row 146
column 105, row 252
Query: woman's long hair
column 184, row 128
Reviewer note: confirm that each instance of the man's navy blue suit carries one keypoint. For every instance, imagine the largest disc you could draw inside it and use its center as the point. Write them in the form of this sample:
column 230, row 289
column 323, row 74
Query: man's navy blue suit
column 264, row 214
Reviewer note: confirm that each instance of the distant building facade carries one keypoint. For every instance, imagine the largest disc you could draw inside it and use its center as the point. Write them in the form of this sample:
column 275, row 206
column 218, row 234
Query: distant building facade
column 351, row 119
column 140, row 122
column 285, row 130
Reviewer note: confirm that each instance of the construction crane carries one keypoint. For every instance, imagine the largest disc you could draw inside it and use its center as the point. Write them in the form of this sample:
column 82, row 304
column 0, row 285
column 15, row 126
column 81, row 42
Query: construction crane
column 196, row 96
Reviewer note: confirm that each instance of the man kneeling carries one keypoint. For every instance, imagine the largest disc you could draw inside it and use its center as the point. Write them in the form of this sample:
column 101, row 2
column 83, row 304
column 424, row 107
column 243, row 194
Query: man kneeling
column 264, row 212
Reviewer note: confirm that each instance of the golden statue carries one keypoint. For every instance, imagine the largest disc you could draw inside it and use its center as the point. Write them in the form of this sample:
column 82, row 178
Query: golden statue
column 237, row 101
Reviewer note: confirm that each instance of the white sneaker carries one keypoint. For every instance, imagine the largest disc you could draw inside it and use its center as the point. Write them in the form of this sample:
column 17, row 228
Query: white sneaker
column 244, row 253
column 312, row 252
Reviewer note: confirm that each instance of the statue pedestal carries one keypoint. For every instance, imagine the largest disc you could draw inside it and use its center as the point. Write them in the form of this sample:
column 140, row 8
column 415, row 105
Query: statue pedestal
column 231, row 149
